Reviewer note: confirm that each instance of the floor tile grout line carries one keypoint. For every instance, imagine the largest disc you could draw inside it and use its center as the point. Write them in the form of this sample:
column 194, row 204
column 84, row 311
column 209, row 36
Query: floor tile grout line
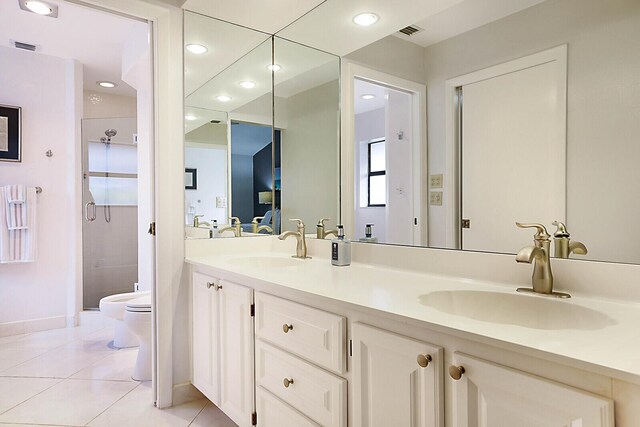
column 37, row 394
column 118, row 400
column 197, row 415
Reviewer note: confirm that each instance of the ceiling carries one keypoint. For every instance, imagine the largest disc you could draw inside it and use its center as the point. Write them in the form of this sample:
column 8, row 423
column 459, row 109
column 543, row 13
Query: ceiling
column 361, row 87
column 92, row 37
column 247, row 138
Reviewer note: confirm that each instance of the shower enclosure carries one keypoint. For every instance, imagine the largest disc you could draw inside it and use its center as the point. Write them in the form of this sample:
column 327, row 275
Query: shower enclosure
column 110, row 203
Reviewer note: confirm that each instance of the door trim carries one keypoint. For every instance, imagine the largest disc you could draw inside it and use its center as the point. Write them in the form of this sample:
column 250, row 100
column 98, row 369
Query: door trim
column 452, row 178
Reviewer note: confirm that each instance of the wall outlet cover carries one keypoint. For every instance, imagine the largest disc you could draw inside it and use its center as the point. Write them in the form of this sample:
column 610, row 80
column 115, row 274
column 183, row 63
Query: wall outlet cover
column 221, row 202
column 435, row 198
column 435, row 181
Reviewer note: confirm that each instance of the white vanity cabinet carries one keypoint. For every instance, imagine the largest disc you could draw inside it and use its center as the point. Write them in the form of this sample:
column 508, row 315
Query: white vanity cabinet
column 397, row 381
column 223, row 345
column 486, row 394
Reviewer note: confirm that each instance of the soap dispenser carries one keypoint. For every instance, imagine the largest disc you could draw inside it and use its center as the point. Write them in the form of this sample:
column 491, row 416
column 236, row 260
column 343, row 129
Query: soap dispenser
column 213, row 231
column 563, row 246
column 368, row 235
column 340, row 249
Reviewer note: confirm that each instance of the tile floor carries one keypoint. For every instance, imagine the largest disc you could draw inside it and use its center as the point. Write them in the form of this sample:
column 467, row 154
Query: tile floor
column 71, row 377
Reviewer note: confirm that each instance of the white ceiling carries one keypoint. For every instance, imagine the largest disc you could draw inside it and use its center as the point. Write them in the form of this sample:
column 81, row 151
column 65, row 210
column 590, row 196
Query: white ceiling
column 92, row 37
column 361, row 87
column 463, row 17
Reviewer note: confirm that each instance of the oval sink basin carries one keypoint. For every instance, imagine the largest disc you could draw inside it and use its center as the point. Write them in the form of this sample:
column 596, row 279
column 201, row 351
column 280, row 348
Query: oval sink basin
column 529, row 311
column 265, row 262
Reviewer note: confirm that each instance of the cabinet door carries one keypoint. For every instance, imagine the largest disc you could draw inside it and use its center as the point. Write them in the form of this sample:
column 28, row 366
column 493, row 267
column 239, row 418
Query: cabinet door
column 236, row 352
column 492, row 395
column 390, row 387
column 273, row 412
column 205, row 339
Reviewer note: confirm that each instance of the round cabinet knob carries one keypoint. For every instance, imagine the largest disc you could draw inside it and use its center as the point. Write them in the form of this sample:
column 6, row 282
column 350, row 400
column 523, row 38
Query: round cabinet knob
column 286, row 328
column 218, row 287
column 424, row 360
column 209, row 285
column 456, row 372
column 287, row 382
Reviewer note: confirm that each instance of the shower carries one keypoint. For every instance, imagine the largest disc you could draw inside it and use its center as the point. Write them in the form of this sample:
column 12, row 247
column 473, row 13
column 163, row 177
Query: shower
column 110, row 134
column 106, row 140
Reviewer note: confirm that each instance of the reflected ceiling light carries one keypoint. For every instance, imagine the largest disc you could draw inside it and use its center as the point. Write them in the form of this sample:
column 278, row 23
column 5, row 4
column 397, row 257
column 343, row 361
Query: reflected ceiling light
column 198, row 49
column 106, row 84
column 367, row 96
column 223, row 98
column 365, row 19
column 190, row 118
column 247, row 84
column 39, row 7
column 274, row 67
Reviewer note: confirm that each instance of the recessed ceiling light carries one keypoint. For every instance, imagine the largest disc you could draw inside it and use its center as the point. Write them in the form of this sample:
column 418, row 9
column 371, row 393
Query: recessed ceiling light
column 223, row 98
column 365, row 19
column 247, row 84
column 190, row 118
column 274, row 67
column 367, row 96
column 198, row 49
column 107, row 84
column 38, row 7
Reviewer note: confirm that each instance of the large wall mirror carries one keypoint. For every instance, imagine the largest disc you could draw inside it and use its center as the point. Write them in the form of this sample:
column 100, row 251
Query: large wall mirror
column 261, row 131
column 532, row 115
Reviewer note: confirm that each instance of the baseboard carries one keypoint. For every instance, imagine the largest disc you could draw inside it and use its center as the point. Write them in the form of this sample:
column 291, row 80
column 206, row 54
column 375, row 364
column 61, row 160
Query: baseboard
column 34, row 325
column 183, row 393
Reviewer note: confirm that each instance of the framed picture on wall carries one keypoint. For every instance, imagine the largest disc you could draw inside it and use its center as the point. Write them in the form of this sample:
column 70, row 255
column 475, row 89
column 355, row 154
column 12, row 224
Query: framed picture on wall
column 190, row 179
column 10, row 133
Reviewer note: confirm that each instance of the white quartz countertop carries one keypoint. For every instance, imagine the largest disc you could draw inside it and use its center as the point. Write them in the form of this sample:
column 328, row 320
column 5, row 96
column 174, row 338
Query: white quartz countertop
column 602, row 335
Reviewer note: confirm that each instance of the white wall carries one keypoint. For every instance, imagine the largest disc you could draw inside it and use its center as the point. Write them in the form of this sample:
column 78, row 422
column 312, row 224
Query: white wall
column 309, row 157
column 47, row 89
column 603, row 114
column 211, row 162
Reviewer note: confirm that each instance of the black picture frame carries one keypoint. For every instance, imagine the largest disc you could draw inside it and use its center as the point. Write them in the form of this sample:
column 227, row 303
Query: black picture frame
column 10, row 133
column 190, row 179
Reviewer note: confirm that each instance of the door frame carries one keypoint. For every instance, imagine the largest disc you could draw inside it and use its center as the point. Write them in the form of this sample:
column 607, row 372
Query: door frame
column 349, row 72
column 453, row 137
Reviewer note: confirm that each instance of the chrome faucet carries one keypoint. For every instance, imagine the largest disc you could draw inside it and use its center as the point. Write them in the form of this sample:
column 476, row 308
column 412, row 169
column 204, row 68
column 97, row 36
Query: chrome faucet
column 236, row 227
column 301, row 247
column 255, row 228
column 562, row 244
column 197, row 223
column 538, row 255
column 321, row 233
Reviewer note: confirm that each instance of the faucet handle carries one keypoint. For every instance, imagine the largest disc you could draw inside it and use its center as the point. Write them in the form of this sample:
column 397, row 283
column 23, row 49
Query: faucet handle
column 198, row 216
column 561, row 229
column 235, row 220
column 321, row 222
column 256, row 218
column 300, row 223
column 541, row 233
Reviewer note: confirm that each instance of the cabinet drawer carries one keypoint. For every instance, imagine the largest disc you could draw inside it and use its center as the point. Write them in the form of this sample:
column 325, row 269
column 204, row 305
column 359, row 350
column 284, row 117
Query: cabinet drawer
column 273, row 412
column 314, row 392
column 308, row 332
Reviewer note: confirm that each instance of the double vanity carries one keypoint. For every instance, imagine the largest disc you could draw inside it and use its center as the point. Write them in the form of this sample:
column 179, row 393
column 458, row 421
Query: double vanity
column 284, row 341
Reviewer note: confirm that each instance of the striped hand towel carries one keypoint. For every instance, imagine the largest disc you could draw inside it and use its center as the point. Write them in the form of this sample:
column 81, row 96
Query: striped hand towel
column 16, row 209
column 18, row 245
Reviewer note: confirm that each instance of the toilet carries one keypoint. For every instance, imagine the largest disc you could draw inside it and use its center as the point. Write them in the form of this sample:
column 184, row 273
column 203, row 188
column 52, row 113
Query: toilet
column 114, row 307
column 137, row 317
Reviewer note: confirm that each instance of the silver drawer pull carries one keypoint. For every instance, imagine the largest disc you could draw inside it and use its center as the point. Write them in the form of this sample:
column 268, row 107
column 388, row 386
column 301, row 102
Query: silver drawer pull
column 287, row 382
column 456, row 372
column 209, row 285
column 424, row 360
column 286, row 328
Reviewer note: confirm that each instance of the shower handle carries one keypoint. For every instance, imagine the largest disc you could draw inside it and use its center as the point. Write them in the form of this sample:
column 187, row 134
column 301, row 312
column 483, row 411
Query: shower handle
column 86, row 211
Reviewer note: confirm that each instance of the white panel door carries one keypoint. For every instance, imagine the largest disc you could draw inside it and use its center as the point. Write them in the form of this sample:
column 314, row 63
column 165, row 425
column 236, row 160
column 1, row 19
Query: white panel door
column 236, row 352
column 205, row 339
column 390, row 388
column 490, row 395
column 513, row 155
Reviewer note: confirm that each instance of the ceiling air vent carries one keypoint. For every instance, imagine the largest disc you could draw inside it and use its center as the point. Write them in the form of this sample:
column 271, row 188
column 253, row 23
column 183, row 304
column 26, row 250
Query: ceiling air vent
column 410, row 30
column 25, row 46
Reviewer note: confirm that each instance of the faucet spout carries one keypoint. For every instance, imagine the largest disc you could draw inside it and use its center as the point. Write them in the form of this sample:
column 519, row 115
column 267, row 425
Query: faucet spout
column 288, row 234
column 577, row 248
column 529, row 254
column 301, row 247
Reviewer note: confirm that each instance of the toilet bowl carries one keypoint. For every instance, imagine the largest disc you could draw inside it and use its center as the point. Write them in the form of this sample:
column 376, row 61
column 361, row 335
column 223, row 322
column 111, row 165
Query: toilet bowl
column 114, row 307
column 137, row 317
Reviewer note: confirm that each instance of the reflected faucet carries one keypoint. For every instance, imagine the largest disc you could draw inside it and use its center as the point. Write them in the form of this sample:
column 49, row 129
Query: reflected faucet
column 563, row 246
column 255, row 228
column 321, row 233
column 236, row 227
column 538, row 255
column 197, row 223
column 301, row 247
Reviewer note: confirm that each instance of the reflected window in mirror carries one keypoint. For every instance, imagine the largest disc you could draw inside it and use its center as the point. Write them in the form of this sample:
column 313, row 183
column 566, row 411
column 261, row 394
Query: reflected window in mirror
column 376, row 174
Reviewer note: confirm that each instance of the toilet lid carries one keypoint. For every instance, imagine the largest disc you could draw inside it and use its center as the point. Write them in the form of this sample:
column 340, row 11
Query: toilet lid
column 140, row 305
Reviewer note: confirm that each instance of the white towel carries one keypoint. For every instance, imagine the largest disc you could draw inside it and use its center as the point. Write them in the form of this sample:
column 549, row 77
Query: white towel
column 18, row 245
column 16, row 209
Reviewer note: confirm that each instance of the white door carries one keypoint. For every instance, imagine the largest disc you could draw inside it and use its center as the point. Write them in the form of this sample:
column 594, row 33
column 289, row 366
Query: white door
column 513, row 154
column 390, row 387
column 206, row 345
column 236, row 352
column 489, row 395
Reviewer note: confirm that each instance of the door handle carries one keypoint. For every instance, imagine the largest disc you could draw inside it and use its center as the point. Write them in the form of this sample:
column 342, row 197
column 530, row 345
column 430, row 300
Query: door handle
column 86, row 211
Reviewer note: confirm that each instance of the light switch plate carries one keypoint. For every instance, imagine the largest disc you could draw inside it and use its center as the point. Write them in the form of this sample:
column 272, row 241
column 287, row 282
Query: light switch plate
column 221, row 202
column 435, row 198
column 435, row 181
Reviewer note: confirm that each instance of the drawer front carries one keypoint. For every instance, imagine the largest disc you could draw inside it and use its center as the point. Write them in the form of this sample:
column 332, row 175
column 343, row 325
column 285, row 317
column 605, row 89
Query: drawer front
column 314, row 392
column 310, row 333
column 273, row 412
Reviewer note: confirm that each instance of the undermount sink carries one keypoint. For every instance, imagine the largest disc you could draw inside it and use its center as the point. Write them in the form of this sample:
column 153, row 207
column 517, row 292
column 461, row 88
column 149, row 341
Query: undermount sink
column 529, row 311
column 265, row 262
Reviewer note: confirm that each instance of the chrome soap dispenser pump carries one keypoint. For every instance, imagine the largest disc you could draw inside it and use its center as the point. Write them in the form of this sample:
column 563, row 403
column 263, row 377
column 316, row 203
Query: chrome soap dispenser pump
column 340, row 249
